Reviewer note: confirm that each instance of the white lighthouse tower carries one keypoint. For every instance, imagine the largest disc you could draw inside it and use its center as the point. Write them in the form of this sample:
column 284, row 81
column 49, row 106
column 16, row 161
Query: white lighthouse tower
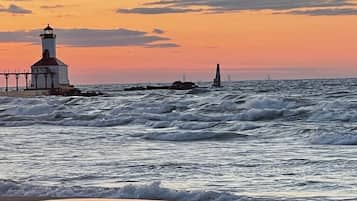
column 49, row 72
column 49, row 41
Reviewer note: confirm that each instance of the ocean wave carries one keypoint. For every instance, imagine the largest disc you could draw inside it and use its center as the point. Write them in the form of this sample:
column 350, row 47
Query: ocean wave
column 337, row 110
column 182, row 111
column 153, row 191
column 334, row 139
column 245, row 117
column 265, row 108
column 243, row 126
column 192, row 136
column 266, row 102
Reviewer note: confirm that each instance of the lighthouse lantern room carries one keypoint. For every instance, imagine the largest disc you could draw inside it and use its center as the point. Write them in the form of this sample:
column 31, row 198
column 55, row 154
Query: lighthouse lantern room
column 49, row 72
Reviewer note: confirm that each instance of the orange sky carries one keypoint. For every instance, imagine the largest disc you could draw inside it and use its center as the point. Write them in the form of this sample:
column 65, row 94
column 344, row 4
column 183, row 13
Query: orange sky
column 249, row 44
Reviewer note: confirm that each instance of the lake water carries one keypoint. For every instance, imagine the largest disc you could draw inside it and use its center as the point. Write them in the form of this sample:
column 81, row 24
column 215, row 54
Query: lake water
column 250, row 140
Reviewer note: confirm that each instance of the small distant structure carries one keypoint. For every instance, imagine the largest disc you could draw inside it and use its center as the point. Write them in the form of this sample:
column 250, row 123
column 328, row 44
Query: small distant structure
column 229, row 78
column 268, row 77
column 217, row 79
column 184, row 77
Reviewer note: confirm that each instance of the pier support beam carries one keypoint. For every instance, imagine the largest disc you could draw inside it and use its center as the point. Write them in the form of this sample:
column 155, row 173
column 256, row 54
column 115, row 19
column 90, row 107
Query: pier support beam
column 36, row 79
column 26, row 80
column 17, row 82
column 7, row 82
column 46, row 81
column 52, row 81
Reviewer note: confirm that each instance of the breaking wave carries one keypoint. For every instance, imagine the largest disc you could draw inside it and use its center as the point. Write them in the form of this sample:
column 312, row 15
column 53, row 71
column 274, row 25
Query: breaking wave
column 152, row 191
column 151, row 110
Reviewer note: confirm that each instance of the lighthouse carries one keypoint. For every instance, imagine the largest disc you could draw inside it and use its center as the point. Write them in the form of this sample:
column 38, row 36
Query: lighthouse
column 217, row 79
column 49, row 72
column 49, row 75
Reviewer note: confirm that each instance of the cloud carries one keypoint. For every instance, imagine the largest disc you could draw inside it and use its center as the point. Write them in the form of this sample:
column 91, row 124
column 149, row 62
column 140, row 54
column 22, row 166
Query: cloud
column 218, row 6
column 162, row 45
column 15, row 10
column 323, row 12
column 52, row 6
column 156, row 10
column 158, row 31
column 253, row 5
column 92, row 38
column 65, row 15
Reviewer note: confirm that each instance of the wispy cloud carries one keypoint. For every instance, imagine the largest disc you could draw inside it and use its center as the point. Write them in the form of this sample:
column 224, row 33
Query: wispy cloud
column 158, row 31
column 323, row 12
column 17, row 0
column 52, row 6
column 162, row 45
column 254, row 5
column 156, row 10
column 218, row 6
column 93, row 38
column 14, row 9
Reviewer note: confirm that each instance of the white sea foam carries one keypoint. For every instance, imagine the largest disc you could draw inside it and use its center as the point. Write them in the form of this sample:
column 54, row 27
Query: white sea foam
column 266, row 102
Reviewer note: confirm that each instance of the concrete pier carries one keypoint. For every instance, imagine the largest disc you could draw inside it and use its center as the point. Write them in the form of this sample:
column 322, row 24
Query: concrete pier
column 25, row 94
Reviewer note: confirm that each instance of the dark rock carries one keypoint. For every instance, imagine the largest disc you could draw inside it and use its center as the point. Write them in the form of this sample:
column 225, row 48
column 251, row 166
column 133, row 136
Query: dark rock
column 178, row 85
column 135, row 89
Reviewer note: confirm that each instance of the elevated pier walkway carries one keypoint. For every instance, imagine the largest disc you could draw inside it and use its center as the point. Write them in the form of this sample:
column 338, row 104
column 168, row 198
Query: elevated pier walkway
column 27, row 76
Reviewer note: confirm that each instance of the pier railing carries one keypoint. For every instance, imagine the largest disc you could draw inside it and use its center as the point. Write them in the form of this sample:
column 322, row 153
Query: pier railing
column 26, row 75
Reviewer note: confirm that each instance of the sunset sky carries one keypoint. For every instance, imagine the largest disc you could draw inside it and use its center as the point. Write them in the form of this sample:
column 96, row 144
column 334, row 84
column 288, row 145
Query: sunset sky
column 124, row 41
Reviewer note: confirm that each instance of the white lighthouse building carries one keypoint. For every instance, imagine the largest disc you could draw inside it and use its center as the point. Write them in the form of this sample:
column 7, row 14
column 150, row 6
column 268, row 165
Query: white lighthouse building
column 49, row 72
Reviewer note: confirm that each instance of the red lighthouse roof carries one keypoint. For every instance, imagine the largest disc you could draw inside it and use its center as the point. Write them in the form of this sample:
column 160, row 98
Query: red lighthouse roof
column 48, row 61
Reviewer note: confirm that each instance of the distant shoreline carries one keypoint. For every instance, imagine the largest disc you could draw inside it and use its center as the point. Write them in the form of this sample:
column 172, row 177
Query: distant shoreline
column 210, row 81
